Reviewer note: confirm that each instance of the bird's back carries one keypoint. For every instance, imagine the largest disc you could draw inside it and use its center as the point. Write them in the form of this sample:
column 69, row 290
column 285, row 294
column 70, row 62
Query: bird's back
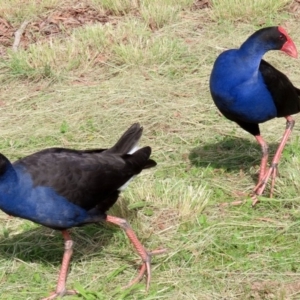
column 88, row 178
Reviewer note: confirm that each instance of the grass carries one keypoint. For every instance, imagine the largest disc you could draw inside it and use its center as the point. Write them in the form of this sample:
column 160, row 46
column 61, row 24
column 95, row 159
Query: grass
column 254, row 11
column 150, row 64
column 16, row 11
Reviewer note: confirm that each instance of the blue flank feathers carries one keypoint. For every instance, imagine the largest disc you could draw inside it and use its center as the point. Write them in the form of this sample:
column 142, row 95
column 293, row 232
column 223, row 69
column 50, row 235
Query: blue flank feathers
column 18, row 197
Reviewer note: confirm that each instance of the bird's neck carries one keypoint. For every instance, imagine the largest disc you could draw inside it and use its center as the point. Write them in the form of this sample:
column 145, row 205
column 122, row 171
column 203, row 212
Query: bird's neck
column 8, row 186
column 8, row 176
column 252, row 52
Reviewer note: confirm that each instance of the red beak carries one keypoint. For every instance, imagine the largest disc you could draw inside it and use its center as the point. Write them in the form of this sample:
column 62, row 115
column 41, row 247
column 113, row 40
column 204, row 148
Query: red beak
column 288, row 47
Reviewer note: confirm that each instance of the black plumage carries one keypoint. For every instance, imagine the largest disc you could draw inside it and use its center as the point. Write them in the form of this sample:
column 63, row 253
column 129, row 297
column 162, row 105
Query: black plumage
column 63, row 188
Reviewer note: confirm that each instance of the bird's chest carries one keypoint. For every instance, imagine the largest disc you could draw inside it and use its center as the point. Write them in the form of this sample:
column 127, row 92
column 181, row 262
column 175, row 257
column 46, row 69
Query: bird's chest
column 238, row 89
column 248, row 101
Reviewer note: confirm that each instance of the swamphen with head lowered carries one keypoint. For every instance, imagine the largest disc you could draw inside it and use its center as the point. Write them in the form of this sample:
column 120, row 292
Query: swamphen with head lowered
column 63, row 188
column 248, row 90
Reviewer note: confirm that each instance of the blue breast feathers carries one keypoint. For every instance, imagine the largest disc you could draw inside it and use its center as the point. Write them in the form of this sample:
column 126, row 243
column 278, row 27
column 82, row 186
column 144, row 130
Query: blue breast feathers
column 238, row 88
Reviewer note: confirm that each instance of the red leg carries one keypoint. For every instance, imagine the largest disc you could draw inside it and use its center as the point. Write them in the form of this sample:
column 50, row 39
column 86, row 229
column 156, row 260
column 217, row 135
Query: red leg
column 143, row 253
column 263, row 167
column 62, row 278
column 264, row 158
column 262, row 171
column 272, row 172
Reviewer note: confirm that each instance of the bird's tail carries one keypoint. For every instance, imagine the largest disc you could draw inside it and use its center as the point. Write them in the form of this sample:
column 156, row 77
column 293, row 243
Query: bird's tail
column 137, row 162
column 140, row 159
column 128, row 142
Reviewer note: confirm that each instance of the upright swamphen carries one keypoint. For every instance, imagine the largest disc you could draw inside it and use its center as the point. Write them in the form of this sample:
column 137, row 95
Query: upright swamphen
column 248, row 90
column 63, row 188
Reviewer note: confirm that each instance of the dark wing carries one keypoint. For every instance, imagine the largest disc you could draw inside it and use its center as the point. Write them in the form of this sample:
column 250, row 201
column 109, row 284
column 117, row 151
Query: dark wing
column 286, row 96
column 86, row 178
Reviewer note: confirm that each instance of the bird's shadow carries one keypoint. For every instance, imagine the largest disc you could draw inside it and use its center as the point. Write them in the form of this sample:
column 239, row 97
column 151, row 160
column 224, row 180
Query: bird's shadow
column 231, row 154
column 46, row 246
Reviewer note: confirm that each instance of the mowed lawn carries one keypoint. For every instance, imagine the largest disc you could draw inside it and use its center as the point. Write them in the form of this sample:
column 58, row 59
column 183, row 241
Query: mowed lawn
column 83, row 72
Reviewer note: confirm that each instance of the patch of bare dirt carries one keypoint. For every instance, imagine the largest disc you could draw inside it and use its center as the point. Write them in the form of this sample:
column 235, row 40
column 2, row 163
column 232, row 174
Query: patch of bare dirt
column 165, row 219
column 59, row 22
column 6, row 32
column 275, row 290
column 201, row 4
column 6, row 36
column 68, row 18
column 295, row 7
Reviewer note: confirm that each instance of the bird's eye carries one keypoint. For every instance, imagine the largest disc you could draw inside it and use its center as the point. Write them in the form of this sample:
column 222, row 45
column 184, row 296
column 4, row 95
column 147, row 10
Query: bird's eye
column 281, row 37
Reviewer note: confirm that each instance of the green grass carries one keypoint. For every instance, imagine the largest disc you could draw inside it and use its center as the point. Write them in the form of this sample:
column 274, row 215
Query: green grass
column 256, row 11
column 17, row 11
column 151, row 64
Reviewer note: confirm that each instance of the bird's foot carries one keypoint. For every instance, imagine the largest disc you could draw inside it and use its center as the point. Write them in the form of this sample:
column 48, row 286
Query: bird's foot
column 254, row 199
column 142, row 252
column 260, row 187
column 60, row 294
column 145, row 268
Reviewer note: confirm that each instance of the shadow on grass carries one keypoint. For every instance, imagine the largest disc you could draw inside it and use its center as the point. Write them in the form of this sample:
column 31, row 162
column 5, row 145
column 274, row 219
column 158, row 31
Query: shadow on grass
column 231, row 154
column 44, row 245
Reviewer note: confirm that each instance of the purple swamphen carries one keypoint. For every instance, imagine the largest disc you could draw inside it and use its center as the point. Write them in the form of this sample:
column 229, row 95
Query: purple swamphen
column 63, row 188
column 248, row 90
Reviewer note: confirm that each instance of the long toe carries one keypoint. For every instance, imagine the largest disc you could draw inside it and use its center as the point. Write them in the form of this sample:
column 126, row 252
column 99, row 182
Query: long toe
column 60, row 294
column 140, row 249
column 273, row 177
column 261, row 185
column 145, row 268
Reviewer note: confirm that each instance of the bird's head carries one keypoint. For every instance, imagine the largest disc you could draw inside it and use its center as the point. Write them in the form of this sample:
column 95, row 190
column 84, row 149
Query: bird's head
column 288, row 45
column 269, row 38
